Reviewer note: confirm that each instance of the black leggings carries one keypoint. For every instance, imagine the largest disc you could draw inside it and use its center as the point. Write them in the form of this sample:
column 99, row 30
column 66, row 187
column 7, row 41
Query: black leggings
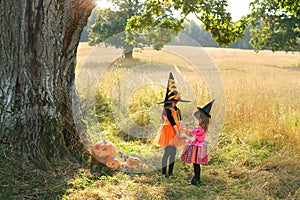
column 169, row 154
column 197, row 171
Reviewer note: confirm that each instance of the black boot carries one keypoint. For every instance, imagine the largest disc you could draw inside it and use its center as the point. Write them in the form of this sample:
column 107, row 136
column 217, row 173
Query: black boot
column 192, row 180
column 164, row 171
column 195, row 181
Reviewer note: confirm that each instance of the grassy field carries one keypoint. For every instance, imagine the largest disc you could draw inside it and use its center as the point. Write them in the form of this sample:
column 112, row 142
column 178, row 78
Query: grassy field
column 256, row 155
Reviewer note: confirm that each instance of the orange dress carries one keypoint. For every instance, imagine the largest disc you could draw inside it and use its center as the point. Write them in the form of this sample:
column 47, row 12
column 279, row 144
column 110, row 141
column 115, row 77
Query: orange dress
column 167, row 135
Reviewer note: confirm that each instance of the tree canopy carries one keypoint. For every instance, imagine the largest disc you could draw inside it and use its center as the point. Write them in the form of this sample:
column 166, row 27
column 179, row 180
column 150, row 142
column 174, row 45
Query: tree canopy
column 110, row 26
column 213, row 15
column 292, row 6
column 155, row 22
column 274, row 28
column 110, row 22
column 107, row 24
column 274, row 24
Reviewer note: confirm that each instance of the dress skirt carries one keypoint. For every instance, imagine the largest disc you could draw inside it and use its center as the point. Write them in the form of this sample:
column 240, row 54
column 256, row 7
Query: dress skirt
column 167, row 136
column 195, row 154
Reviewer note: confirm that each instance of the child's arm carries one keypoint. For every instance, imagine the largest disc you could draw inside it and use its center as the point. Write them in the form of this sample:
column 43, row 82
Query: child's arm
column 187, row 131
column 176, row 130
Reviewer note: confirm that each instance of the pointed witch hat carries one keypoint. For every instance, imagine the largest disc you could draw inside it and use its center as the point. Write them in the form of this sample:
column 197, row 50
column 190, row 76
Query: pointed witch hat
column 172, row 95
column 206, row 109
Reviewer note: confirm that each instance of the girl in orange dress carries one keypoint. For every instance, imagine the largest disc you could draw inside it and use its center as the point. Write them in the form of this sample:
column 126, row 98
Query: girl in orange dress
column 169, row 135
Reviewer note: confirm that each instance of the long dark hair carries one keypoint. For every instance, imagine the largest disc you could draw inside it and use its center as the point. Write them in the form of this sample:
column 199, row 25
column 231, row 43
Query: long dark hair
column 203, row 119
column 166, row 105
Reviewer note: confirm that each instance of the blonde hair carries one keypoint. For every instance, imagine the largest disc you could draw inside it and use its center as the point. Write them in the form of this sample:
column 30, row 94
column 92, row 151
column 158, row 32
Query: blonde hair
column 203, row 119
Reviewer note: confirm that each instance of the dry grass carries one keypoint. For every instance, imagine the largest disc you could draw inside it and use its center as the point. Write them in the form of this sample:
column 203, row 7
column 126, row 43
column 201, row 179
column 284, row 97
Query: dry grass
column 84, row 51
column 262, row 89
column 256, row 157
column 260, row 138
column 262, row 93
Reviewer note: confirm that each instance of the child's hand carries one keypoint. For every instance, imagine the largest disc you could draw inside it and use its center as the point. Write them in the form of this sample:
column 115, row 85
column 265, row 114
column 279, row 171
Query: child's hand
column 183, row 130
column 182, row 135
column 188, row 137
column 188, row 132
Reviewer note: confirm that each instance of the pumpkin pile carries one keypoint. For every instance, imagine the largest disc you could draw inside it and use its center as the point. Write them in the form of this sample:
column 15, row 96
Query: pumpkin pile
column 104, row 152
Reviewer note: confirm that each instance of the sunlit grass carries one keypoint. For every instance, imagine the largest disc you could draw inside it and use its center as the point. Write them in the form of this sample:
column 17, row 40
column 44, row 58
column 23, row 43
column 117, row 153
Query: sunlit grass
column 261, row 125
column 256, row 155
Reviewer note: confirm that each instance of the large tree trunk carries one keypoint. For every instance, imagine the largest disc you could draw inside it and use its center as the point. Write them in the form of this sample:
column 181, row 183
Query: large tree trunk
column 38, row 46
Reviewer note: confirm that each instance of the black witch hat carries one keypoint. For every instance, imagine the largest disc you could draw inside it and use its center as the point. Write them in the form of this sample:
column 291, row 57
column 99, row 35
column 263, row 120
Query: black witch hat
column 172, row 95
column 206, row 109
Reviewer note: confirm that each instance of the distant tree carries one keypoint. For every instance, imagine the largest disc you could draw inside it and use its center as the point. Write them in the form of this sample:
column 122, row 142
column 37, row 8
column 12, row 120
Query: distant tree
column 197, row 33
column 204, row 38
column 110, row 24
column 243, row 43
column 274, row 28
column 85, row 34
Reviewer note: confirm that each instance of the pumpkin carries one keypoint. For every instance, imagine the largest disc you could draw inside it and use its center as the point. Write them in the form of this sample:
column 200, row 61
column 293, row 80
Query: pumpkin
column 134, row 162
column 103, row 151
column 113, row 164
column 123, row 165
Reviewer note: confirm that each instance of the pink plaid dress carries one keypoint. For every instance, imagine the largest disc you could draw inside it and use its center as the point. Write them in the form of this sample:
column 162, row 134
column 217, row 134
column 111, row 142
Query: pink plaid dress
column 196, row 151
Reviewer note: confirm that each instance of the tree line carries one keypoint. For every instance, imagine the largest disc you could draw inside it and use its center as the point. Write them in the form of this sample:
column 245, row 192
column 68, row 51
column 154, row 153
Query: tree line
column 190, row 28
column 268, row 26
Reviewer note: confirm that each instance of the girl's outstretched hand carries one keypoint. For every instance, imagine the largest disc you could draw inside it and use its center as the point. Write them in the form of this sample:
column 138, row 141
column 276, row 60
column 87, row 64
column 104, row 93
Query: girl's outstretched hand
column 188, row 137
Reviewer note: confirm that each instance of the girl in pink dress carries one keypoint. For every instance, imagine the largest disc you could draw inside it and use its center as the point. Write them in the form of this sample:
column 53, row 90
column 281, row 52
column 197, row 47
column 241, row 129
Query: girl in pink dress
column 196, row 151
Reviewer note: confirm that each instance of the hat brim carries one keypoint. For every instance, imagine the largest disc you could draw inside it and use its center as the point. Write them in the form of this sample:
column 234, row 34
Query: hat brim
column 170, row 101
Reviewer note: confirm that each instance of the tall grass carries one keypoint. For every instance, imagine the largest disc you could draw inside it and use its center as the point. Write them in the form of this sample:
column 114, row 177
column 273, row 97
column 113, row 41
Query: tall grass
column 261, row 128
column 263, row 104
column 255, row 157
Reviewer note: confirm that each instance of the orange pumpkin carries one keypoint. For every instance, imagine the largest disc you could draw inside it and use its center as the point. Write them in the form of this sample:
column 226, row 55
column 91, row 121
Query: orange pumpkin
column 104, row 151
column 123, row 165
column 134, row 162
column 113, row 164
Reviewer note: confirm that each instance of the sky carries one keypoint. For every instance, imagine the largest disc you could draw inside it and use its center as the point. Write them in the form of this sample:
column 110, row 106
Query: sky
column 238, row 8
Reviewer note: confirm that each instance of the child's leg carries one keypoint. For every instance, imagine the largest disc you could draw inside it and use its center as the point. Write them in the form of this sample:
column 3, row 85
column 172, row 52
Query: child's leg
column 172, row 150
column 165, row 161
column 197, row 171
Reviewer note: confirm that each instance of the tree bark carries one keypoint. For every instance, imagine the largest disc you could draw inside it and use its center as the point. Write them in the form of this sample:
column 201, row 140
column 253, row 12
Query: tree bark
column 128, row 55
column 128, row 51
column 38, row 46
